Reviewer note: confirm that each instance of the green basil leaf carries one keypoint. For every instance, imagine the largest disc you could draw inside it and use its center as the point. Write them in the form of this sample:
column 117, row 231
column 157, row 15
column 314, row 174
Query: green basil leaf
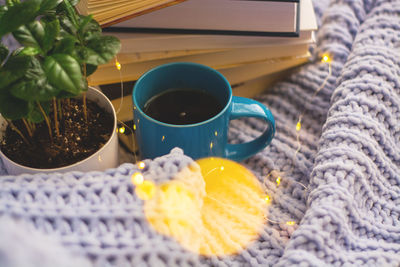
column 89, row 27
column 14, row 68
column 101, row 49
column 11, row 107
column 84, row 21
column 30, row 90
column 31, row 34
column 47, row 5
column 17, row 15
column 66, row 25
column 34, row 85
column 30, row 51
column 51, row 31
column 66, row 45
column 3, row 53
column 65, row 72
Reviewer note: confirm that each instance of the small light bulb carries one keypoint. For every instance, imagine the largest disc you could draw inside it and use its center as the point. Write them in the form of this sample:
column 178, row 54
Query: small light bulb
column 141, row 165
column 290, row 223
column 137, row 178
column 278, row 180
column 121, row 130
column 222, row 168
column 267, row 199
column 326, row 58
column 298, row 126
column 211, row 145
column 118, row 65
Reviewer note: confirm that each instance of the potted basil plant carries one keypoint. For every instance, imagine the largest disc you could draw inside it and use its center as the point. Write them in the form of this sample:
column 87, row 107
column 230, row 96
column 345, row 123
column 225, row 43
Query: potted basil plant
column 51, row 121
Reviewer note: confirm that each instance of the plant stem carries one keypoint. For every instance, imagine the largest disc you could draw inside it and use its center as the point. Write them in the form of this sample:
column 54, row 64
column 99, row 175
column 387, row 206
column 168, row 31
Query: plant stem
column 84, row 105
column 28, row 127
column 55, row 117
column 59, row 108
column 14, row 128
column 32, row 125
column 46, row 119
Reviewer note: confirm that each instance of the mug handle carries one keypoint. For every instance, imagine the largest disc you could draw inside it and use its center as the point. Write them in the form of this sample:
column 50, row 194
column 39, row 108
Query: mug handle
column 245, row 107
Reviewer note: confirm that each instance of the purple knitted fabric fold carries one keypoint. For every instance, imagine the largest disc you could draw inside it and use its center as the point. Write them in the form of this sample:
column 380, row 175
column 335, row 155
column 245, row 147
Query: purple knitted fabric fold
column 342, row 188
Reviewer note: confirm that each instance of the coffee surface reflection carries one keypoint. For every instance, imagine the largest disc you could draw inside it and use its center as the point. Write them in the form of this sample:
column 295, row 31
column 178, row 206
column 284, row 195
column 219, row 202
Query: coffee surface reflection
column 182, row 106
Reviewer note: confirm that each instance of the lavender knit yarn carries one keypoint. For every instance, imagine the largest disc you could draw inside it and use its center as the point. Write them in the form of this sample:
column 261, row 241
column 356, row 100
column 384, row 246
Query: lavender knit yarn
column 349, row 162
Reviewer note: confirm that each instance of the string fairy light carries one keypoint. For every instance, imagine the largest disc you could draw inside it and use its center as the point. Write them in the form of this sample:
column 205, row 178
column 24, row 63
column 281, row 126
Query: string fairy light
column 118, row 66
column 122, row 129
column 279, row 176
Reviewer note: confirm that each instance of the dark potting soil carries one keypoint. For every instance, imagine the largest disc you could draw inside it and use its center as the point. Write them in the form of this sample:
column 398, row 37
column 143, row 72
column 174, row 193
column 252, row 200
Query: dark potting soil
column 78, row 139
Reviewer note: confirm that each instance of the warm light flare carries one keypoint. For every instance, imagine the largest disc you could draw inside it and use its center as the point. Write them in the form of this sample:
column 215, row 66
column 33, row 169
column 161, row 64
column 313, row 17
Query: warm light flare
column 207, row 212
column 146, row 190
column 137, row 178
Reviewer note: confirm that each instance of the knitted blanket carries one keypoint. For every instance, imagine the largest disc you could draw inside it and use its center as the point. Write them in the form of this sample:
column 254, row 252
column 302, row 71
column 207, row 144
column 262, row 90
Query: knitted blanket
column 341, row 188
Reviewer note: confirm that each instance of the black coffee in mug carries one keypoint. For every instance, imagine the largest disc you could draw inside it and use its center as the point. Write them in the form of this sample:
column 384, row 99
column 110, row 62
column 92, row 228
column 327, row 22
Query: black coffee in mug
column 182, row 106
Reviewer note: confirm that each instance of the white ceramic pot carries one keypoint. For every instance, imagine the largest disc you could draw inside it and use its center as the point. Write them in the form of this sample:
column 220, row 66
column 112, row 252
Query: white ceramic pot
column 106, row 157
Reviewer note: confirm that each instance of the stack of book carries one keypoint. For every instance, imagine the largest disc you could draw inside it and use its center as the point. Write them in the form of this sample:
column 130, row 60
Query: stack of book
column 252, row 43
column 243, row 39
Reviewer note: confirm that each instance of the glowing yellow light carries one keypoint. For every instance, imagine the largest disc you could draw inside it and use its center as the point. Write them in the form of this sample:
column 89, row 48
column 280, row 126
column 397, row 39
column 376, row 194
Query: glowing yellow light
column 197, row 212
column 216, row 133
column 326, row 58
column 137, row 178
column 211, row 145
column 118, row 65
column 146, row 190
column 163, row 138
column 290, row 223
column 141, row 165
column 278, row 180
column 267, row 199
column 134, row 127
column 222, row 168
column 121, row 130
column 298, row 126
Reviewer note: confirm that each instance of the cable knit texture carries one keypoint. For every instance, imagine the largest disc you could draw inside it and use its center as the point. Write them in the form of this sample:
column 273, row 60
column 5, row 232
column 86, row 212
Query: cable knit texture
column 342, row 187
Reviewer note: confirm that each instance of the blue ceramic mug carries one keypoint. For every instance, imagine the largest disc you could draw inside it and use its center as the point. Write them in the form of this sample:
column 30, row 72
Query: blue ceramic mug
column 204, row 139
